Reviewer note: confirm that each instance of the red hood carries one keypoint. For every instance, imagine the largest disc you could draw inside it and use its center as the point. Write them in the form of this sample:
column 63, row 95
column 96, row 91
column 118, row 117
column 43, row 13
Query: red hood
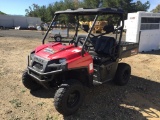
column 57, row 50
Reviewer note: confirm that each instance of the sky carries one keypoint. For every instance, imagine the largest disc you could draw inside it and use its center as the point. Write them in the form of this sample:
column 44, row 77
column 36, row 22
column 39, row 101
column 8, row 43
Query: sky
column 17, row 7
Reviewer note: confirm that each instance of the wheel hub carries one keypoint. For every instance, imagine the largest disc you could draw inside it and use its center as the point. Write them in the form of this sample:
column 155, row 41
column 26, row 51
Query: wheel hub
column 73, row 98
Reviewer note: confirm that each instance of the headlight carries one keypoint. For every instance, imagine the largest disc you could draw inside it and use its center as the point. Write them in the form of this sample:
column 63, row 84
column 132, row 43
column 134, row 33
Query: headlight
column 31, row 57
column 63, row 60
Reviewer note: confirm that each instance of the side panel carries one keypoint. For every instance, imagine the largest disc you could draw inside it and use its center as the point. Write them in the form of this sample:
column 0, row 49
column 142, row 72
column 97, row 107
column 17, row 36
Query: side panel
column 81, row 62
column 104, row 73
column 20, row 21
column 6, row 21
column 33, row 21
column 132, row 33
column 128, row 49
column 150, row 40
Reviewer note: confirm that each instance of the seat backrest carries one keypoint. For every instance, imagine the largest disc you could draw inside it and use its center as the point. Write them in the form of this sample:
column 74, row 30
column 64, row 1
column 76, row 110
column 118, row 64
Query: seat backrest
column 108, row 29
column 105, row 45
column 94, row 40
column 85, row 27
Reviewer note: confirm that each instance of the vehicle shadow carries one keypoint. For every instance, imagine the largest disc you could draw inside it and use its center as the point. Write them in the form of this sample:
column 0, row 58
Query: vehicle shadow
column 138, row 100
column 155, row 52
column 44, row 93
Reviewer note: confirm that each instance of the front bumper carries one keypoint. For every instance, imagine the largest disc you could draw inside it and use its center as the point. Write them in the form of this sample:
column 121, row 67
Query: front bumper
column 39, row 76
column 43, row 78
column 44, row 71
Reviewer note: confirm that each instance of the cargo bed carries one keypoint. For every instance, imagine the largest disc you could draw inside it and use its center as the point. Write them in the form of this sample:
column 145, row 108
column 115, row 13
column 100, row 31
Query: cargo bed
column 128, row 49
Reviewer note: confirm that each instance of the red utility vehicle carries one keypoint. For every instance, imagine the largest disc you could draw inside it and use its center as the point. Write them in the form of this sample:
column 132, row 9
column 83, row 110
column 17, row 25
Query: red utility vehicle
column 87, row 60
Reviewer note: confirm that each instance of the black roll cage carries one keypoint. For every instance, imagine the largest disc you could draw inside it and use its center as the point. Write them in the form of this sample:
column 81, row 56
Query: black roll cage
column 97, row 12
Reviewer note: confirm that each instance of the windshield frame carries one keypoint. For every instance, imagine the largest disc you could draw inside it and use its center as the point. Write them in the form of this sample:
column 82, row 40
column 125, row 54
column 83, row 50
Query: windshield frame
column 77, row 14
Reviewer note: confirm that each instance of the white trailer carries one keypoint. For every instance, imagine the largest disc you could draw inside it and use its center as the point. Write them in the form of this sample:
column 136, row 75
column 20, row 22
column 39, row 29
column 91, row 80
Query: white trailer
column 59, row 33
column 11, row 21
column 144, row 27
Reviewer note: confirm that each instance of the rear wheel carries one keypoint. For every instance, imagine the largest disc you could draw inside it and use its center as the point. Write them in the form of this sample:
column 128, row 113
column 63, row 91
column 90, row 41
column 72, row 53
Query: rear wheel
column 122, row 74
column 28, row 82
column 69, row 97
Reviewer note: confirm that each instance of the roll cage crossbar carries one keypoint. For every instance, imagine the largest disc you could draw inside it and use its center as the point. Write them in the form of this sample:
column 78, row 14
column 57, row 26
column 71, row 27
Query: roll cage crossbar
column 96, row 12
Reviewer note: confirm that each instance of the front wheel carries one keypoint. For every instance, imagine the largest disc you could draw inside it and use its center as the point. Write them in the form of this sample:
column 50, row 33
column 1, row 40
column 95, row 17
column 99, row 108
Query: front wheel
column 122, row 74
column 69, row 97
column 28, row 82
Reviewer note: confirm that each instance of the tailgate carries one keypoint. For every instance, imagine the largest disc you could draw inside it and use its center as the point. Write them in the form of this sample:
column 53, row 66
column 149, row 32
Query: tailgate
column 128, row 49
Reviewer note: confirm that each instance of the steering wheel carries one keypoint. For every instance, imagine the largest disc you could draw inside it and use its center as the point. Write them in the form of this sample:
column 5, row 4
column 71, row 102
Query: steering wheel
column 86, row 31
column 71, row 42
column 81, row 39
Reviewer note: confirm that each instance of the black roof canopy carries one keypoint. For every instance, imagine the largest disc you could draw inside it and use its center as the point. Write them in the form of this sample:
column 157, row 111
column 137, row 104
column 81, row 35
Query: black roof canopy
column 83, row 11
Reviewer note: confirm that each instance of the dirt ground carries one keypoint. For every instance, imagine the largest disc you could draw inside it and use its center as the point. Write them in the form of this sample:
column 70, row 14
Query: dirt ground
column 138, row 100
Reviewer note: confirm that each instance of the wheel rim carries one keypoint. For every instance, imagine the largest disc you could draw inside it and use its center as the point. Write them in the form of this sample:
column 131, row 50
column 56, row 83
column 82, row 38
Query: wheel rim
column 73, row 99
column 58, row 39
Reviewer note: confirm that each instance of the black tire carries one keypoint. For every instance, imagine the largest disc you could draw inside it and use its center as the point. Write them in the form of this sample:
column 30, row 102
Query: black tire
column 58, row 38
column 28, row 82
column 122, row 74
column 69, row 97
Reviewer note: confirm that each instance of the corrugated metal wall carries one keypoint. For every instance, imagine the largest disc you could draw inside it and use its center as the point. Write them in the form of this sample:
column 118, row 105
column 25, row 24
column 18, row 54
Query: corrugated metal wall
column 13, row 21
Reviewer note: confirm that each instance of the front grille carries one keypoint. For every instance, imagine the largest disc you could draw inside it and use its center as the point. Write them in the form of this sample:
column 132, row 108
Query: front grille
column 50, row 69
column 38, row 66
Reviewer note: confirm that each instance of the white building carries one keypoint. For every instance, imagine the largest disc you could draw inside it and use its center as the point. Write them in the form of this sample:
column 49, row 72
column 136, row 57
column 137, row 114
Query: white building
column 144, row 26
column 10, row 21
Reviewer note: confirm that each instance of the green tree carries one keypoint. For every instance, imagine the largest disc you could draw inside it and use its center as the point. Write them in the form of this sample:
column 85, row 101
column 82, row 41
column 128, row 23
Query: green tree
column 127, row 5
column 139, row 6
column 157, row 9
column 2, row 13
column 46, row 13
column 50, row 11
column 92, row 3
column 38, row 11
